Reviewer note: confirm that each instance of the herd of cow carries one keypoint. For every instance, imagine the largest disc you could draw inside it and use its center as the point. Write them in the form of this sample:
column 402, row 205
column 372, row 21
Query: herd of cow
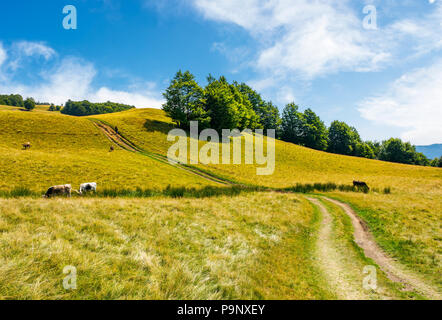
column 67, row 190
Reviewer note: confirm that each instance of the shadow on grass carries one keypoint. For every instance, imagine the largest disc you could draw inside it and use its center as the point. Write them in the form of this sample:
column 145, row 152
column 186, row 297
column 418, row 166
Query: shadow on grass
column 155, row 125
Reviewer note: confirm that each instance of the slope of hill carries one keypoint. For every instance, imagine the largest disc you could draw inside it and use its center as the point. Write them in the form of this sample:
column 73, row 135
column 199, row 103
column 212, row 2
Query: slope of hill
column 72, row 150
column 148, row 128
column 433, row 151
column 405, row 222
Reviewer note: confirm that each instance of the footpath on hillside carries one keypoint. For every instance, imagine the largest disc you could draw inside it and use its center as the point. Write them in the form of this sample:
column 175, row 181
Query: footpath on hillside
column 125, row 144
column 338, row 276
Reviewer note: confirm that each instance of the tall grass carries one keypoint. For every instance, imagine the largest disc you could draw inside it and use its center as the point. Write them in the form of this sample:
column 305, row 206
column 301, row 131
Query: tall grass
column 328, row 187
column 198, row 193
column 124, row 249
column 18, row 193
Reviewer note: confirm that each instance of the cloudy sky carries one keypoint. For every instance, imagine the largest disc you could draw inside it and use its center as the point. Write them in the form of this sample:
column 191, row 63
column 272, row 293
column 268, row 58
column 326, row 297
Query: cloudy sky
column 381, row 73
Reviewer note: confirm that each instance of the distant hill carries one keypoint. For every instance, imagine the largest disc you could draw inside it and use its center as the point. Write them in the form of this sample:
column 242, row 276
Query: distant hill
column 433, row 151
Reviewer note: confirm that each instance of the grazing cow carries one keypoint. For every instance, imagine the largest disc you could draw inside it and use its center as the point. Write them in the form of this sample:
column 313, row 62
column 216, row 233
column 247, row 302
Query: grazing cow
column 360, row 184
column 86, row 187
column 26, row 145
column 59, row 190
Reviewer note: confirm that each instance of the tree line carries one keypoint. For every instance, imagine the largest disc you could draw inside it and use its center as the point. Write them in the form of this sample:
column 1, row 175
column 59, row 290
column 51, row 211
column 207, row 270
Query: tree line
column 86, row 108
column 16, row 100
column 223, row 105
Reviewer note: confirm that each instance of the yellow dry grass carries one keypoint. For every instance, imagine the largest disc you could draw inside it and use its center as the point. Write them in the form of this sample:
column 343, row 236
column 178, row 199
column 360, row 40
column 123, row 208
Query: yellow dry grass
column 257, row 246
column 72, row 150
column 406, row 223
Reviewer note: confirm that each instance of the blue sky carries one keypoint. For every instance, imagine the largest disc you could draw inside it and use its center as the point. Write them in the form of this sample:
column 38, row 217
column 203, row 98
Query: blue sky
column 385, row 81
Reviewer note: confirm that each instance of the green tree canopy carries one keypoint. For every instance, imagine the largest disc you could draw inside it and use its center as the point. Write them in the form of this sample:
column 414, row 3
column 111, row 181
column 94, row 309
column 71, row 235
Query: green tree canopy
column 267, row 113
column 29, row 104
column 437, row 162
column 228, row 107
column 86, row 108
column 395, row 150
column 185, row 101
column 14, row 100
column 315, row 131
column 305, row 129
column 291, row 124
column 342, row 139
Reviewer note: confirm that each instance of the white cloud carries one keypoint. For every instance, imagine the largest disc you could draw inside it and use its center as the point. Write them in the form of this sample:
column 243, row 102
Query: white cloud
column 71, row 78
column 35, row 49
column 309, row 38
column 3, row 55
column 142, row 99
column 422, row 35
column 412, row 102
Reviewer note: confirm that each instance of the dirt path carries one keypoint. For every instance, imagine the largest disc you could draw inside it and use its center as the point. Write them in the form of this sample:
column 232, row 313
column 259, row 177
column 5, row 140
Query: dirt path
column 331, row 261
column 114, row 137
column 392, row 269
column 125, row 144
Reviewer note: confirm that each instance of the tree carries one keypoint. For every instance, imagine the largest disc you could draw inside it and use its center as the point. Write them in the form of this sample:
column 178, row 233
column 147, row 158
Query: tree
column 395, row 150
column 364, row 150
column 14, row 100
column 29, row 104
column 268, row 113
column 437, row 162
column 305, row 129
column 86, row 108
column 342, row 139
column 185, row 101
column 375, row 146
column 292, row 124
column 315, row 131
column 227, row 107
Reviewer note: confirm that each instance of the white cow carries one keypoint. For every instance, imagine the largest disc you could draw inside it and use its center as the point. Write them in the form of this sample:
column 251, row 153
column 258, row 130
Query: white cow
column 86, row 187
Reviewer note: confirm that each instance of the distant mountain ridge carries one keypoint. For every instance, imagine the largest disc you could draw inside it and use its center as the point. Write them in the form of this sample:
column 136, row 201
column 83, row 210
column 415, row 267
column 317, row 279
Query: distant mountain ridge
column 432, row 151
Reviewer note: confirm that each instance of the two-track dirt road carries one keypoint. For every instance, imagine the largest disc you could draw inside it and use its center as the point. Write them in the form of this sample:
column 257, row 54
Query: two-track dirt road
column 338, row 274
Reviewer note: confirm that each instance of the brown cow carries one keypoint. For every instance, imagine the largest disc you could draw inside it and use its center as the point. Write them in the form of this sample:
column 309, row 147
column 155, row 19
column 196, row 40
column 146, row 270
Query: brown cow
column 360, row 184
column 58, row 190
column 26, row 145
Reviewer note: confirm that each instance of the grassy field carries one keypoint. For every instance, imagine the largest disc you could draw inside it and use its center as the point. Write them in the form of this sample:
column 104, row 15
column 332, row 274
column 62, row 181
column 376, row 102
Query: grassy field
column 148, row 129
column 72, row 150
column 257, row 246
column 406, row 223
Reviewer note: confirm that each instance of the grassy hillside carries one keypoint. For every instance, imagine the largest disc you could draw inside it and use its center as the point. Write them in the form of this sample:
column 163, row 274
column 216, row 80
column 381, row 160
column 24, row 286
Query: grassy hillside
column 72, row 150
column 148, row 129
column 406, row 222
